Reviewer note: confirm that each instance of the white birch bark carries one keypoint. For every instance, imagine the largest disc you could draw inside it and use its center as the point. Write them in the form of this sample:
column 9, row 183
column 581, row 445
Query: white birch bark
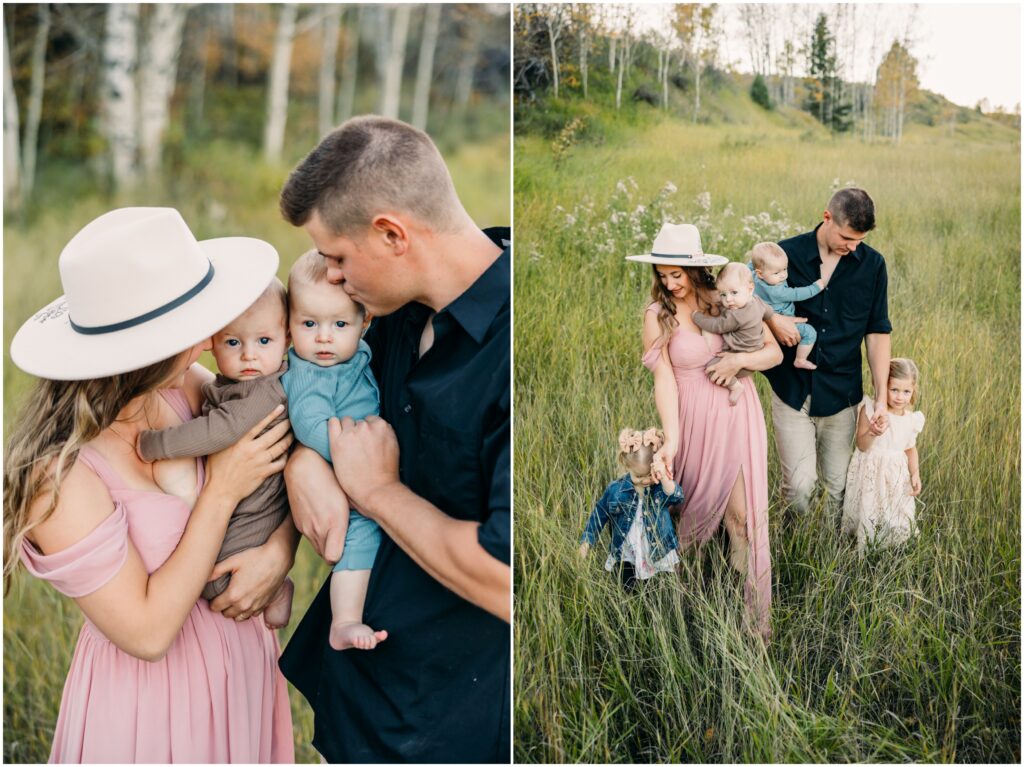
column 611, row 53
column 120, row 62
column 328, row 58
column 349, row 68
column 467, row 69
column 425, row 65
column 12, row 161
column 277, row 98
column 34, row 110
column 157, row 79
column 392, row 93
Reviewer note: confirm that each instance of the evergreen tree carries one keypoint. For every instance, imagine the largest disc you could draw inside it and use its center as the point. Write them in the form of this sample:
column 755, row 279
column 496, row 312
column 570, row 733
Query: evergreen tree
column 824, row 82
column 759, row 92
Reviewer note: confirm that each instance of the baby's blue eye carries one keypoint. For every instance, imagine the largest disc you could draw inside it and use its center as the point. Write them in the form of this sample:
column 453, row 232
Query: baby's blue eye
column 232, row 342
column 308, row 324
column 341, row 324
column 264, row 340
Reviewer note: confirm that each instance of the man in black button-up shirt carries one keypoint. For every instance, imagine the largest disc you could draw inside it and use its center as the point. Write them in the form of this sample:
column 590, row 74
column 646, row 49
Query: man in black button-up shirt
column 815, row 412
column 434, row 470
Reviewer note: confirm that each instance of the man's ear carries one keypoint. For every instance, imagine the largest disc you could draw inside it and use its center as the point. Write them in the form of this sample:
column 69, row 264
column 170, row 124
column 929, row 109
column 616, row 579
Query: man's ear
column 394, row 233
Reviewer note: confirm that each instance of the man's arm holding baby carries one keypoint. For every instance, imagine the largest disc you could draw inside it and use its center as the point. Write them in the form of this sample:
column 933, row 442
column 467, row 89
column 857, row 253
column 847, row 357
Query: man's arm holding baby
column 365, row 456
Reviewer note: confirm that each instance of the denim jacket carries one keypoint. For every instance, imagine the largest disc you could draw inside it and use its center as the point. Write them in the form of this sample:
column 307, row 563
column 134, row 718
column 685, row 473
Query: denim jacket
column 618, row 506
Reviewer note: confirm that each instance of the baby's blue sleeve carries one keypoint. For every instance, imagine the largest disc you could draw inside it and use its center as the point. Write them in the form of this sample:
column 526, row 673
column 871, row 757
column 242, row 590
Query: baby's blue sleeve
column 310, row 407
column 784, row 293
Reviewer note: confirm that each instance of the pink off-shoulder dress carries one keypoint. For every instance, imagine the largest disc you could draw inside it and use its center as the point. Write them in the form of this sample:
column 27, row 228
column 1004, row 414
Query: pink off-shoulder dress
column 217, row 695
column 718, row 442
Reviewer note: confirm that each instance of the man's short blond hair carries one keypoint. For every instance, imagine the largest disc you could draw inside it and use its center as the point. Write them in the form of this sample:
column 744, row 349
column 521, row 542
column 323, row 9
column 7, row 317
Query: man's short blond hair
column 734, row 268
column 367, row 166
column 763, row 251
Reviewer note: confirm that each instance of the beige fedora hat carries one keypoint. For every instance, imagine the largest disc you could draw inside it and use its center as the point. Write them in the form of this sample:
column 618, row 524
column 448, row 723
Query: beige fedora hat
column 678, row 245
column 139, row 288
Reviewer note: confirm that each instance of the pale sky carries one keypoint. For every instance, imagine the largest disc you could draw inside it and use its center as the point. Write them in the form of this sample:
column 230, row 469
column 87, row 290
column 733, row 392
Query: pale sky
column 965, row 52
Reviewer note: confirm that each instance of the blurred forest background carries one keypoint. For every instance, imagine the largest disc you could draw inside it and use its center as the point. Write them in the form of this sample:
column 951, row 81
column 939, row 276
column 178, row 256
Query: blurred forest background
column 206, row 107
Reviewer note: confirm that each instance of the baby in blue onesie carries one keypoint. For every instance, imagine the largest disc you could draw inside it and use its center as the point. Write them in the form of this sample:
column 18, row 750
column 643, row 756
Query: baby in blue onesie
column 770, row 266
column 329, row 376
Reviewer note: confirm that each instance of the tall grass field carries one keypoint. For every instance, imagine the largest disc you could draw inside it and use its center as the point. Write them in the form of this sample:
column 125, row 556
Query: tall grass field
column 907, row 655
column 221, row 189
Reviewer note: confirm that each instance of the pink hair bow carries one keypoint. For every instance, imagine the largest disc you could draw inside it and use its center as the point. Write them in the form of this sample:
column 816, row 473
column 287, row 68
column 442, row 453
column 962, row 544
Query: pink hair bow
column 652, row 438
column 630, row 441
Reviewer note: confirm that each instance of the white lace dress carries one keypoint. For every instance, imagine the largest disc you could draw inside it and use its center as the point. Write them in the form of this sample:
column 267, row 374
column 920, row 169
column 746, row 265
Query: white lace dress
column 636, row 549
column 878, row 506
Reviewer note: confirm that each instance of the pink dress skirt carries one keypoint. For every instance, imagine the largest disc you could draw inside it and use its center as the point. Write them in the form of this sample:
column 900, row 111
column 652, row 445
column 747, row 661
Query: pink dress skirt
column 216, row 696
column 717, row 443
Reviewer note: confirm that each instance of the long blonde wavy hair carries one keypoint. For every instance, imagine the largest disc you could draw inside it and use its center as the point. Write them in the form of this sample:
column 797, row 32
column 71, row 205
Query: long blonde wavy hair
column 56, row 421
column 700, row 278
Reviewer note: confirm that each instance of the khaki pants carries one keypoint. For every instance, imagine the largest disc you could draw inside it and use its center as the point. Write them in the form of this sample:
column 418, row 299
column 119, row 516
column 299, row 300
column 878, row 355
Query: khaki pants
column 808, row 446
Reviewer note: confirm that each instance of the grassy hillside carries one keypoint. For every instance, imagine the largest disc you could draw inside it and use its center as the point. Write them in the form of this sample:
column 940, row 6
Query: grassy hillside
column 911, row 655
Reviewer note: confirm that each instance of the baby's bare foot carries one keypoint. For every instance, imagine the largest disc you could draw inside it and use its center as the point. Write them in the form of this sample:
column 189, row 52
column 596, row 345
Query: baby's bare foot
column 804, row 364
column 734, row 395
column 279, row 610
column 355, row 635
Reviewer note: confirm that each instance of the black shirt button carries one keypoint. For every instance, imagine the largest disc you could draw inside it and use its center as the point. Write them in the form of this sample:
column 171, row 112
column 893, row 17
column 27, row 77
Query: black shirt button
column 407, row 409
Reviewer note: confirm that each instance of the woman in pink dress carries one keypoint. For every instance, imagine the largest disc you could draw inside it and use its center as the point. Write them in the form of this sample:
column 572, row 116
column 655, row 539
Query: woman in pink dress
column 157, row 675
column 718, row 453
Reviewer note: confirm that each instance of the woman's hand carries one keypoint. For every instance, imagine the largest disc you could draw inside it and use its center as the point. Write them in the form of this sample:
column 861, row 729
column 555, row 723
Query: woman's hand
column 725, row 369
column 584, row 549
column 664, row 458
column 256, row 575
column 238, row 471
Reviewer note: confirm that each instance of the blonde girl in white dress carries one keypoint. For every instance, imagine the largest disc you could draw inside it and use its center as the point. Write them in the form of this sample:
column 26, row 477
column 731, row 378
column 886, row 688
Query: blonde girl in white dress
column 884, row 476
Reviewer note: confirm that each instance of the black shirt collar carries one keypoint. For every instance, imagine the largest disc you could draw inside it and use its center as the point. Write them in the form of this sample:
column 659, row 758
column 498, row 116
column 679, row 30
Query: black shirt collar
column 814, row 255
column 477, row 307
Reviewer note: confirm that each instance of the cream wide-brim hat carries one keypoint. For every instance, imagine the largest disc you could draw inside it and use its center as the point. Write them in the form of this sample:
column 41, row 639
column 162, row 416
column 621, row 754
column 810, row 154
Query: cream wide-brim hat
column 139, row 288
column 678, row 245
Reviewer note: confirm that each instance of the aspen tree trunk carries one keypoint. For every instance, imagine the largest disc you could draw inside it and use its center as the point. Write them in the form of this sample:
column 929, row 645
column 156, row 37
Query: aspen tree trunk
column 349, row 68
column 612, row 41
column 157, row 77
column 553, row 39
column 12, row 161
column 197, row 80
column 392, row 95
column 464, row 79
column 34, row 109
column 328, row 57
column 425, row 65
column 119, row 110
column 618, row 83
column 584, row 50
column 277, row 99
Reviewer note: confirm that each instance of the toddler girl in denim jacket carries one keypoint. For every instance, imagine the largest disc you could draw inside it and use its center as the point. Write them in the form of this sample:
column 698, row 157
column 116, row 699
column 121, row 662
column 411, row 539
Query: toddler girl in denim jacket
column 636, row 505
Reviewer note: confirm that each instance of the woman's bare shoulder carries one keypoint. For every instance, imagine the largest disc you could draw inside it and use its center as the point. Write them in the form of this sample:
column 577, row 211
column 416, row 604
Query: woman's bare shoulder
column 83, row 503
column 195, row 377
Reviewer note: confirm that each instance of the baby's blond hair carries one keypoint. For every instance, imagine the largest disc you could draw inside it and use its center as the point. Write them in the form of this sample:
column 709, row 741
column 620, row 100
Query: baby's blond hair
column 760, row 253
column 734, row 268
column 308, row 269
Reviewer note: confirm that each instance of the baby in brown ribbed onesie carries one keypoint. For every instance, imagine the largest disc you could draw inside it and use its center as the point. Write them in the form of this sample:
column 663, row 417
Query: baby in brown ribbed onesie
column 741, row 323
column 249, row 354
